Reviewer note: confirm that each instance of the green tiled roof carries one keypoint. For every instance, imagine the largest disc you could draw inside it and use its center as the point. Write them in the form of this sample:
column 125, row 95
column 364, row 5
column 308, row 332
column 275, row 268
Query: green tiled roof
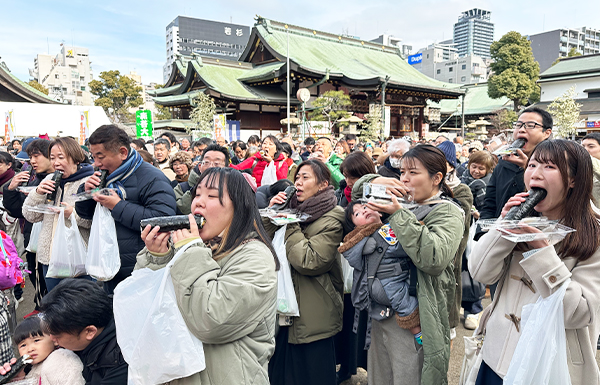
column 164, row 91
column 477, row 102
column 573, row 66
column 173, row 100
column 6, row 72
column 354, row 59
column 223, row 79
column 261, row 72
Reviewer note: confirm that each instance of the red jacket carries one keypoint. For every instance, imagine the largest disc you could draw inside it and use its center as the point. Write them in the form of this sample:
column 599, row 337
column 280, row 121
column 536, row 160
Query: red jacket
column 281, row 167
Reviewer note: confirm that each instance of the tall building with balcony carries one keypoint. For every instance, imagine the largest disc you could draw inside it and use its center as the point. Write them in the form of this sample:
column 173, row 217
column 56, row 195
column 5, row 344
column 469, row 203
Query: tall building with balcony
column 474, row 33
column 186, row 36
column 548, row 46
column 66, row 75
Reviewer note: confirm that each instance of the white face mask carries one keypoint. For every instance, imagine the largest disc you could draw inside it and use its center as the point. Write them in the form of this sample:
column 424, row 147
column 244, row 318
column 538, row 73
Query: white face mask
column 395, row 163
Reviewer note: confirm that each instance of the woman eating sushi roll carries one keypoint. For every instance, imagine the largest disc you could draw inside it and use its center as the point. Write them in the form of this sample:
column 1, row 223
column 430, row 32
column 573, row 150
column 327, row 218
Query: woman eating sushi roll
column 526, row 271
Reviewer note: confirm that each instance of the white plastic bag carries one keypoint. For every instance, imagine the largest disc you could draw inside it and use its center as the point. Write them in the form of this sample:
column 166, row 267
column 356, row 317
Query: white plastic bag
column 67, row 258
column 540, row 357
column 269, row 175
column 151, row 332
column 103, row 260
column 286, row 296
column 471, row 242
column 348, row 273
column 36, row 229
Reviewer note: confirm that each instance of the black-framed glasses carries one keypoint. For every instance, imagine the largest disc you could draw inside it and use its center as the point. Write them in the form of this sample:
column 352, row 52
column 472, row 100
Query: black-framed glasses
column 528, row 125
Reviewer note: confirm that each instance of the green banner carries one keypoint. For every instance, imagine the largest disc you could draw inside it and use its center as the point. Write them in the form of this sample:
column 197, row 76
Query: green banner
column 143, row 123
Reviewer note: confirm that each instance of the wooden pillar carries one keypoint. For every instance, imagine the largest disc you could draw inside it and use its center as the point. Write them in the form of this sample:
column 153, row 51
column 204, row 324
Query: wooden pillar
column 420, row 122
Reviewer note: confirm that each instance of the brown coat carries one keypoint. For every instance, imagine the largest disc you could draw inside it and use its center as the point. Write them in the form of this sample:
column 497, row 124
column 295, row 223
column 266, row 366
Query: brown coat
column 545, row 272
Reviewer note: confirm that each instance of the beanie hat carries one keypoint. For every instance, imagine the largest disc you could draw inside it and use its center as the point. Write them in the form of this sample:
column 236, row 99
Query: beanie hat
column 476, row 145
column 449, row 150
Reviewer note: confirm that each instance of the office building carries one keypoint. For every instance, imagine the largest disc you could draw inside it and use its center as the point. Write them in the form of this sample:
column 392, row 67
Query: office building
column 148, row 102
column 404, row 49
column 474, row 33
column 186, row 35
column 548, row 46
column 66, row 75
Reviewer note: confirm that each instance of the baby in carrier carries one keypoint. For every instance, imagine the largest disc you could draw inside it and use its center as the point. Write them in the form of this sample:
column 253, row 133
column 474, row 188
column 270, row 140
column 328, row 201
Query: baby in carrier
column 381, row 270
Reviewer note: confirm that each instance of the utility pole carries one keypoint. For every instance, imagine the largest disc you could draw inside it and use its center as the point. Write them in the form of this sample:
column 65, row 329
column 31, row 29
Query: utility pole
column 383, row 87
column 288, row 77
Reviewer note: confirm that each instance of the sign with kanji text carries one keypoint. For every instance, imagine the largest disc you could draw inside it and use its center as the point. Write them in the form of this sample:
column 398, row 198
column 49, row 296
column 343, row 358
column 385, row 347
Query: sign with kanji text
column 143, row 123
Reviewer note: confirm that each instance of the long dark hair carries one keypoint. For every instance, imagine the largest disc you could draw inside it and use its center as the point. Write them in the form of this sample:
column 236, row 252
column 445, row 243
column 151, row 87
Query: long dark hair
column 245, row 209
column 573, row 162
column 434, row 161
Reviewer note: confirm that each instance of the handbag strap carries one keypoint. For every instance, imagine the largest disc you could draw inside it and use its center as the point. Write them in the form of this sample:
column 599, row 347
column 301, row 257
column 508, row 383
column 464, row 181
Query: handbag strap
column 486, row 316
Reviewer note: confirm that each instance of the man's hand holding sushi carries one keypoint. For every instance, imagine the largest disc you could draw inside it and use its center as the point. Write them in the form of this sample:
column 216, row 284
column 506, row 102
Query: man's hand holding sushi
column 108, row 201
column 518, row 157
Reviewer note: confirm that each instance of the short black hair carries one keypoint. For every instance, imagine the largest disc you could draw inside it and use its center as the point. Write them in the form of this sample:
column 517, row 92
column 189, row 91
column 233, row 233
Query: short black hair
column 350, row 137
column 546, row 117
column 15, row 140
column 30, row 327
column 216, row 147
column 170, row 136
column 204, row 140
column 75, row 304
column 7, row 158
column 318, row 168
column 39, row 147
column 254, row 139
column 164, row 142
column 310, row 141
column 111, row 136
column 594, row 135
column 286, row 148
column 140, row 144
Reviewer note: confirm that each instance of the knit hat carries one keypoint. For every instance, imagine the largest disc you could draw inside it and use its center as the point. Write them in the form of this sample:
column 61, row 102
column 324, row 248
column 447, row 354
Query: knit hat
column 476, row 145
column 449, row 150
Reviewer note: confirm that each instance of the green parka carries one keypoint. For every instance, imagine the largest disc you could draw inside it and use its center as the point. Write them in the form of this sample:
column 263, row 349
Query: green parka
column 230, row 305
column 432, row 247
column 317, row 275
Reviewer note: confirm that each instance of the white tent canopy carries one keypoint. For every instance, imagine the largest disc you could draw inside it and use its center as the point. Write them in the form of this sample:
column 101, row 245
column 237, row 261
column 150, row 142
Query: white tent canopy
column 33, row 119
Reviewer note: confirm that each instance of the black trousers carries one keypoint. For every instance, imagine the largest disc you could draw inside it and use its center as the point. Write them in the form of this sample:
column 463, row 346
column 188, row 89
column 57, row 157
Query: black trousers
column 302, row 364
column 487, row 376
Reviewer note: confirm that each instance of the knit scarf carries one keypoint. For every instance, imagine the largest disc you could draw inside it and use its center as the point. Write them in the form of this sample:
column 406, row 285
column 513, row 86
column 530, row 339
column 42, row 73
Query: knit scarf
column 317, row 205
column 124, row 171
column 452, row 180
column 8, row 175
column 348, row 194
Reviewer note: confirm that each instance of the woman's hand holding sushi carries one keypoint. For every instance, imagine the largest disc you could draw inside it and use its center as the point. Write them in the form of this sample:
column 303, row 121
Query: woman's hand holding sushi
column 156, row 243
column 182, row 234
column 514, row 201
column 45, row 187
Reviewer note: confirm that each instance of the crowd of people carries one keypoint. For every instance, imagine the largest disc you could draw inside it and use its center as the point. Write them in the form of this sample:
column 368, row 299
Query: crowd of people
column 410, row 269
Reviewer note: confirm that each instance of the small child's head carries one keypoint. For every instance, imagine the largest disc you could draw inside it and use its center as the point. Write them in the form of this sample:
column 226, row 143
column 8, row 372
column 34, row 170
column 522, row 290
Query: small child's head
column 481, row 163
column 359, row 214
column 30, row 339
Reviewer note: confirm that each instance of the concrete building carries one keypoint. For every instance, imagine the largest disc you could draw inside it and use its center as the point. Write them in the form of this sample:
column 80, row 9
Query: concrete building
column 66, row 75
column 148, row 102
column 187, row 36
column 548, row 46
column 405, row 50
column 474, row 33
column 583, row 72
column 441, row 62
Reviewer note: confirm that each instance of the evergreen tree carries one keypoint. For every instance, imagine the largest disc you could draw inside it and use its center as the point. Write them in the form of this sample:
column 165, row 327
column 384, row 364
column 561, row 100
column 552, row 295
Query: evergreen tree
column 116, row 94
column 38, row 86
column 515, row 70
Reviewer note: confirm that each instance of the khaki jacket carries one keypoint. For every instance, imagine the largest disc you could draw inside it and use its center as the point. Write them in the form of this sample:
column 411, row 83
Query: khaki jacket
column 528, row 279
column 317, row 275
column 230, row 305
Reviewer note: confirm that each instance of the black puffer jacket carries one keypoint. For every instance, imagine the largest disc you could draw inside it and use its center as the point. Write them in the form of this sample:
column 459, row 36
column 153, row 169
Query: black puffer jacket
column 149, row 194
column 103, row 363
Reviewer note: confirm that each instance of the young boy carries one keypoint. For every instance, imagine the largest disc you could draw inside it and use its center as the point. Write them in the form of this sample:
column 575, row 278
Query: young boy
column 390, row 287
column 51, row 366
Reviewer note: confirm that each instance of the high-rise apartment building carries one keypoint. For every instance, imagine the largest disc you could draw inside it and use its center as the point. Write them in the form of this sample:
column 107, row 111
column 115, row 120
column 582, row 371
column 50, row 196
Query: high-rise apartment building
column 66, row 75
column 474, row 33
column 186, row 35
column 549, row 46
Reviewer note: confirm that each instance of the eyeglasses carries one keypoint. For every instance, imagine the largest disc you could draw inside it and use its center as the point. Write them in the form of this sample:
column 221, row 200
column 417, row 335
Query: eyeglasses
column 212, row 164
column 528, row 125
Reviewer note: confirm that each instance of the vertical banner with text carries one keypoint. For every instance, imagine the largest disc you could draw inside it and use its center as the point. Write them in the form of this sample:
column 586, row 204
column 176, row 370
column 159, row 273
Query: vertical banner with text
column 8, row 127
column 220, row 125
column 83, row 127
column 143, row 124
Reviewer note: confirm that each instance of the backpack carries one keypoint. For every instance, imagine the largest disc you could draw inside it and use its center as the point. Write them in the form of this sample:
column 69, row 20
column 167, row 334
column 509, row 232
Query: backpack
column 10, row 263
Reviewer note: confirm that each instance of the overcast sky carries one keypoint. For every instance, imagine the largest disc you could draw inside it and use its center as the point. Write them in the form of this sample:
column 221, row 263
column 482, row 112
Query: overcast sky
column 130, row 34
